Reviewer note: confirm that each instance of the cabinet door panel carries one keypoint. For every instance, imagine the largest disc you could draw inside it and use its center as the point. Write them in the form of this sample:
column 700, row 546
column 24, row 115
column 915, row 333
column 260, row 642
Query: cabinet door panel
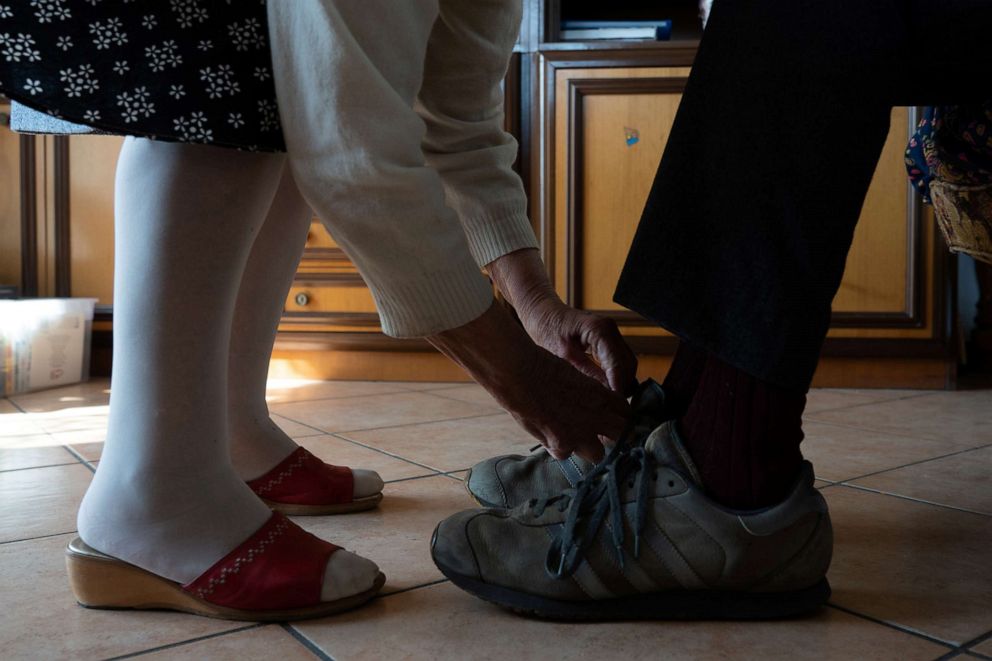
column 623, row 136
column 887, row 289
column 874, row 279
column 610, row 129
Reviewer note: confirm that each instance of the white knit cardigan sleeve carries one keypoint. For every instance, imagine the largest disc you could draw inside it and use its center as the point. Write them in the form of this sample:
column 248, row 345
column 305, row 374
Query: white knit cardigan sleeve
column 461, row 101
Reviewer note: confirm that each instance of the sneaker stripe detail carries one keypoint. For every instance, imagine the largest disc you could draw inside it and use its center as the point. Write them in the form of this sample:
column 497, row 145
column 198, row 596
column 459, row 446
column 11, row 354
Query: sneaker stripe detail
column 602, row 559
column 590, row 582
column 634, row 573
column 637, row 575
column 572, row 472
column 585, row 576
column 672, row 558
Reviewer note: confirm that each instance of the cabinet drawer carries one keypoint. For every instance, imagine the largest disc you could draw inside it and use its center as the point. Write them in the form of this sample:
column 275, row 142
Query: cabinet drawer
column 320, row 297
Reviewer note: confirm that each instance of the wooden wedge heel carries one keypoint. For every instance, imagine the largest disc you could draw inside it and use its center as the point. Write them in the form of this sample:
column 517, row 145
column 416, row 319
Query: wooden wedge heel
column 275, row 575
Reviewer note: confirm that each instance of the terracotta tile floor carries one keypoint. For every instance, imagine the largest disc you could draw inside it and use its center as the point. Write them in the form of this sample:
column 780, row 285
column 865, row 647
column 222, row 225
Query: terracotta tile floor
column 908, row 475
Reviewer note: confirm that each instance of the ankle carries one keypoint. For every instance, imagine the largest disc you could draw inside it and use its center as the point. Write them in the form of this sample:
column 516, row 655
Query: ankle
column 258, row 445
column 683, row 377
column 175, row 526
column 744, row 435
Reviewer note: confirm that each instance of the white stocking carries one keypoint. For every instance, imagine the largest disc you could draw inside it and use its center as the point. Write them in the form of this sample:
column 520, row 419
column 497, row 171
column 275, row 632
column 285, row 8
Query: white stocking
column 257, row 443
column 165, row 496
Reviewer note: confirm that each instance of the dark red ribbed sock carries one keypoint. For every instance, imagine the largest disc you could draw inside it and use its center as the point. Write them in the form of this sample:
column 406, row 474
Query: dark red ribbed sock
column 683, row 378
column 744, row 435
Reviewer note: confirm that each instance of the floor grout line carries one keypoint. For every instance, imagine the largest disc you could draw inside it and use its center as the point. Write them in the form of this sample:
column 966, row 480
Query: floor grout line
column 386, row 452
column 83, row 460
column 31, row 539
column 302, row 639
column 878, row 430
column 448, row 386
column 16, row 406
column 895, row 625
column 396, row 426
column 422, row 422
column 411, row 588
column 182, row 643
column 877, row 401
column 914, row 500
column 315, row 433
column 463, row 401
column 978, row 641
column 401, row 391
column 414, row 477
column 28, row 468
column 912, row 463
column 316, row 429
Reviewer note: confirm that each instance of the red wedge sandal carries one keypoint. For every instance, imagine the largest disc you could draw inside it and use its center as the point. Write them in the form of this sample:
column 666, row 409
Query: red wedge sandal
column 274, row 575
column 304, row 485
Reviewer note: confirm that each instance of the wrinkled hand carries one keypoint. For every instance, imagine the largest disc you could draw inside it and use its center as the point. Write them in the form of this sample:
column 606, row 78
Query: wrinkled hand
column 566, row 410
column 563, row 408
column 592, row 344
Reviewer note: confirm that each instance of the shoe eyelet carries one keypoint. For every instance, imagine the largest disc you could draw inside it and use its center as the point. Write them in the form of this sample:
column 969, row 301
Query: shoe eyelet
column 671, row 484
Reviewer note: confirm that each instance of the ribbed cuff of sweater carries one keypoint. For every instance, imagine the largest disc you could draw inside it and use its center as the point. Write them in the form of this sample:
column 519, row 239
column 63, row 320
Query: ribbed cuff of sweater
column 433, row 302
column 498, row 232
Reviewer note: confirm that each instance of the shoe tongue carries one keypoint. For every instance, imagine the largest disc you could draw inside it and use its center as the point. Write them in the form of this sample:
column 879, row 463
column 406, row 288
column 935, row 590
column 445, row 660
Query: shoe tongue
column 648, row 407
column 648, row 398
column 666, row 446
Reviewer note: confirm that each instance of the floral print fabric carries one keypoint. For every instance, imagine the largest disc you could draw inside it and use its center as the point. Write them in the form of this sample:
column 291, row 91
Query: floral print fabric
column 195, row 71
column 952, row 144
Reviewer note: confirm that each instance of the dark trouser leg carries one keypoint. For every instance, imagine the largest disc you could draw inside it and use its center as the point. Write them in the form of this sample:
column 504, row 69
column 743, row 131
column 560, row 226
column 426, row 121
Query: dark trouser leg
column 745, row 234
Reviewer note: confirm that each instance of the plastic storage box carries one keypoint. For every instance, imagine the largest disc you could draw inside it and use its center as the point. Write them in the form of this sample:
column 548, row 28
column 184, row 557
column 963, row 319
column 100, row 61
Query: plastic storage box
column 44, row 343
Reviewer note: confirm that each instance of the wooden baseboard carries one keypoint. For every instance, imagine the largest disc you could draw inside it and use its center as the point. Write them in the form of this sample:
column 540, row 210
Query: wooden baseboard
column 364, row 365
column 833, row 372
column 309, row 362
column 916, row 373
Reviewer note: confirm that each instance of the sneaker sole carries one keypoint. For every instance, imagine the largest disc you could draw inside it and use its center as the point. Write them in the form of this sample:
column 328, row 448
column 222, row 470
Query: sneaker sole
column 672, row 605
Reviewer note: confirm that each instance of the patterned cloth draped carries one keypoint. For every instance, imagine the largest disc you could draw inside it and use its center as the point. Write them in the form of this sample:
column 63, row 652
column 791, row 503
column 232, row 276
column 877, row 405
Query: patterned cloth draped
column 179, row 70
column 952, row 144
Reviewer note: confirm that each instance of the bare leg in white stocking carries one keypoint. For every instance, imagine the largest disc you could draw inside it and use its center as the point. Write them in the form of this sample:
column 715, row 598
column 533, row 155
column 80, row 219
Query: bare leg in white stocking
column 166, row 496
column 257, row 443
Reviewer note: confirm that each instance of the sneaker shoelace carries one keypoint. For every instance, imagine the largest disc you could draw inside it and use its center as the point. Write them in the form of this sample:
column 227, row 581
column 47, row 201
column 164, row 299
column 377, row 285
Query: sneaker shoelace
column 597, row 498
column 648, row 406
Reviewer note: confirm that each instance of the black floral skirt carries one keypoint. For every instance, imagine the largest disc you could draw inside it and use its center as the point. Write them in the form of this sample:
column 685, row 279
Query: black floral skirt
column 195, row 71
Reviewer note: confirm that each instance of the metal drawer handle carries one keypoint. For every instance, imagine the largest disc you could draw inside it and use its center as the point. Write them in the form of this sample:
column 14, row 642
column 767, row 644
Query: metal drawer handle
column 302, row 299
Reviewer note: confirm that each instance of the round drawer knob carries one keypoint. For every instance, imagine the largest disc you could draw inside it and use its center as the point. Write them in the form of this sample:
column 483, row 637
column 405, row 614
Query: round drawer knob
column 302, row 299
